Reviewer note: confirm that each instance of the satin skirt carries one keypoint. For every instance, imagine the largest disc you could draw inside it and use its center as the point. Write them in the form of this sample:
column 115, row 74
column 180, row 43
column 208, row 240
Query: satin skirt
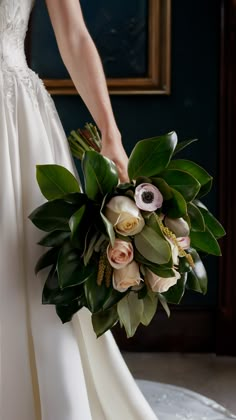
column 49, row 371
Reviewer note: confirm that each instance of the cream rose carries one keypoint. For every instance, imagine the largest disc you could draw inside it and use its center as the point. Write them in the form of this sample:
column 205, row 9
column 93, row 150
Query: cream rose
column 161, row 284
column 126, row 277
column 124, row 215
column 120, row 254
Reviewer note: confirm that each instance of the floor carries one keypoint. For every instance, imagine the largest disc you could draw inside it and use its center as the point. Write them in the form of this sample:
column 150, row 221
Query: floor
column 207, row 374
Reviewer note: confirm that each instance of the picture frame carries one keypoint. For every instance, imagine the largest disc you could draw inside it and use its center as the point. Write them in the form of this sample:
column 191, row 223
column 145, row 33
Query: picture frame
column 157, row 77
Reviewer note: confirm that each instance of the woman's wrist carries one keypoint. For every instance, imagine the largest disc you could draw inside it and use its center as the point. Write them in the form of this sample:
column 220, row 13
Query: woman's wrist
column 110, row 134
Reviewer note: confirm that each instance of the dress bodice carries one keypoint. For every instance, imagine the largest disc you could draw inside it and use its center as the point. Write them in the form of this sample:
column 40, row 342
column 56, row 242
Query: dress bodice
column 14, row 18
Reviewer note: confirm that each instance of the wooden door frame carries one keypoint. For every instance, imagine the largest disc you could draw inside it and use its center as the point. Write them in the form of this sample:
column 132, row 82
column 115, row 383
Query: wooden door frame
column 226, row 319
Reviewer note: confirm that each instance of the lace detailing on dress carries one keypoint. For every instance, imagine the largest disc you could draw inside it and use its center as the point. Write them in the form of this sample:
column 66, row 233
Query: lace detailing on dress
column 14, row 17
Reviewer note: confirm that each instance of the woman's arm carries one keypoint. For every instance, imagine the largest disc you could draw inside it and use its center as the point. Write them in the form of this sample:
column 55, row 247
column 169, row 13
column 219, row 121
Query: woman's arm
column 83, row 63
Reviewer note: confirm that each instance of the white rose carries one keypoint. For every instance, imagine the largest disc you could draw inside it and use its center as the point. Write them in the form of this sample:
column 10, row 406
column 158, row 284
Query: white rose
column 126, row 277
column 161, row 284
column 124, row 215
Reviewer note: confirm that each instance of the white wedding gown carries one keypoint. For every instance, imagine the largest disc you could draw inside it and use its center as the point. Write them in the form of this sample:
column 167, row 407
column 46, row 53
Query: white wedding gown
column 48, row 371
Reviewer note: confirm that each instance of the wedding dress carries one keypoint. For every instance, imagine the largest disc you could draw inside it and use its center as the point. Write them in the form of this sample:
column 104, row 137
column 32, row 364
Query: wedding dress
column 48, row 371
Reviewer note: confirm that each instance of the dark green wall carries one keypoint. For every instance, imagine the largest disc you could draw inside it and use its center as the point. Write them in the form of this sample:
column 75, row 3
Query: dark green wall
column 191, row 109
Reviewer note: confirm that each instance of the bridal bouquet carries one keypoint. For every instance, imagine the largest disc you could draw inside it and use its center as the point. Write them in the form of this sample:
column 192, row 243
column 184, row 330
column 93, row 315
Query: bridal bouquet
column 120, row 248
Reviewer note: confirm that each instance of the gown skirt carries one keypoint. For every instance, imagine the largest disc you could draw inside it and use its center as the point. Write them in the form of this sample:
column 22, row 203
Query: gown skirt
column 49, row 371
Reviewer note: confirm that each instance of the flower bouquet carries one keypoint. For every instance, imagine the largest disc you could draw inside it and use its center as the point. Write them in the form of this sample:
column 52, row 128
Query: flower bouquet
column 120, row 248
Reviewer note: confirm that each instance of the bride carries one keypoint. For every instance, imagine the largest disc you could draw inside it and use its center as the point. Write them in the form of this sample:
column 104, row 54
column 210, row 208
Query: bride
column 50, row 371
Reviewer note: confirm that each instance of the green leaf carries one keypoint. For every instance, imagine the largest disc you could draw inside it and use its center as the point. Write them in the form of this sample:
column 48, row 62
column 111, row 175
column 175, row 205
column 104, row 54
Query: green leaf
column 75, row 222
column 175, row 207
column 184, row 266
column 67, row 310
column 52, row 294
column 70, row 267
column 196, row 171
column 149, row 308
column 151, row 156
column 47, row 259
column 104, row 320
column 180, row 146
column 176, row 292
column 54, row 238
column 113, row 299
column 197, row 277
column 55, row 181
column 53, row 215
column 100, row 175
column 108, row 225
column 75, row 198
column 164, row 304
column 205, row 241
column 90, row 248
column 163, row 270
column 130, row 311
column 196, row 218
column 152, row 246
column 183, row 182
column 96, row 295
column 212, row 223
column 163, row 187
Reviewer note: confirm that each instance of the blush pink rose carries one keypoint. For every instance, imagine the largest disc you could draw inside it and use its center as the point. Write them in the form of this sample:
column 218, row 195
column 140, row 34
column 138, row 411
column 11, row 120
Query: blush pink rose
column 126, row 277
column 121, row 254
column 161, row 284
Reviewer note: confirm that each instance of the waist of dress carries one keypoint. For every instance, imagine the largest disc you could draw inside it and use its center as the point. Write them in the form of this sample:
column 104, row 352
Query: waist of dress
column 12, row 54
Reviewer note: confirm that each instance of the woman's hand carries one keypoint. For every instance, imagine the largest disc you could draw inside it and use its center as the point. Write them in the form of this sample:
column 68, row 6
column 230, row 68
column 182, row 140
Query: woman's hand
column 114, row 150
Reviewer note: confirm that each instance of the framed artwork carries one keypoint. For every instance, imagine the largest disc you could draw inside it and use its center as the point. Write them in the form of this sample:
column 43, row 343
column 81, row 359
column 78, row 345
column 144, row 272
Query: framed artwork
column 133, row 39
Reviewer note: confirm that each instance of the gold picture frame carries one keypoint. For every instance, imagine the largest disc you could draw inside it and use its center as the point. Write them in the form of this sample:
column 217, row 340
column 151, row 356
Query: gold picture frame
column 158, row 78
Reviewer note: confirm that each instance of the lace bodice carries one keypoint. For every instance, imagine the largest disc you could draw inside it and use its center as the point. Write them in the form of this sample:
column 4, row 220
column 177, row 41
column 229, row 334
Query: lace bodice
column 14, row 17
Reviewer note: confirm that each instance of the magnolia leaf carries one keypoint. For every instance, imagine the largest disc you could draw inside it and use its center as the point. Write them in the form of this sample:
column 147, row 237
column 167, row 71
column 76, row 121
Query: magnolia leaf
column 175, row 207
column 163, row 187
column 183, row 182
column 55, row 238
column 100, row 174
column 180, row 146
column 150, row 302
column 47, row 259
column 152, row 246
column 196, row 171
column 104, row 320
column 70, row 267
column 113, row 298
column 196, row 218
column 197, row 276
column 212, row 223
column 151, row 156
column 108, row 225
column 75, row 221
column 52, row 294
column 176, row 292
column 130, row 311
column 67, row 310
column 205, row 241
column 53, row 215
column 96, row 295
column 164, row 304
column 90, row 249
column 55, row 181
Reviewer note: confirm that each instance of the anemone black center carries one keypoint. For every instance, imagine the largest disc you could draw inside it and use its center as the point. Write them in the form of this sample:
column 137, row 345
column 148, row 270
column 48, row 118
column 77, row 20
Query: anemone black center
column 147, row 196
